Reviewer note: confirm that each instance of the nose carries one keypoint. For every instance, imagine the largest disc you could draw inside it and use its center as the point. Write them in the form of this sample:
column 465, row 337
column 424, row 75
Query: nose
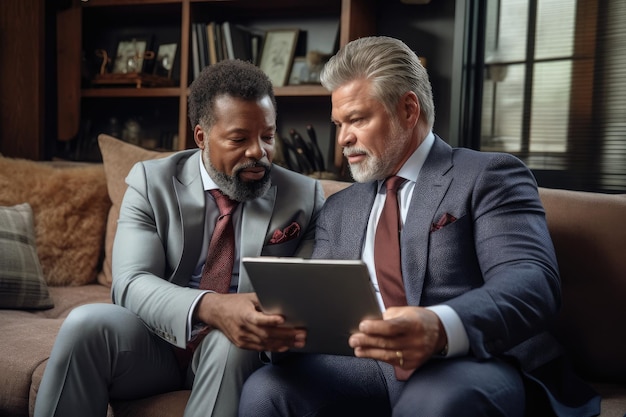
column 345, row 137
column 257, row 150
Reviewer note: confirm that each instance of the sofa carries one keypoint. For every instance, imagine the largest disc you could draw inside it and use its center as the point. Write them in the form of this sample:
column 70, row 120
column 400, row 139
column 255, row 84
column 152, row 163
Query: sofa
column 65, row 253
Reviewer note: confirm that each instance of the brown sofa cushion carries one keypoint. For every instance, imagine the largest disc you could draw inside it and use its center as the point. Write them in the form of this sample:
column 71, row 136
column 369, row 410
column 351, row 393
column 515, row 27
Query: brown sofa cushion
column 118, row 158
column 69, row 206
column 589, row 234
column 27, row 340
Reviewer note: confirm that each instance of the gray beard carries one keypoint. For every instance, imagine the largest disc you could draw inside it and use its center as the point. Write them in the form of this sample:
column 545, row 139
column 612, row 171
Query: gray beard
column 234, row 187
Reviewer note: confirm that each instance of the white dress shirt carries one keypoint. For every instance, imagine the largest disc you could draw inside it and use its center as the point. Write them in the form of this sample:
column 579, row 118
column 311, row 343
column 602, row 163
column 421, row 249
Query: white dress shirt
column 458, row 343
column 212, row 213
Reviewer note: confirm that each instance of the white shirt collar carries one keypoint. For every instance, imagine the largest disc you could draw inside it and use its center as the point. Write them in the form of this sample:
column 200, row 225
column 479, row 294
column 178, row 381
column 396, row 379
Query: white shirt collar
column 207, row 181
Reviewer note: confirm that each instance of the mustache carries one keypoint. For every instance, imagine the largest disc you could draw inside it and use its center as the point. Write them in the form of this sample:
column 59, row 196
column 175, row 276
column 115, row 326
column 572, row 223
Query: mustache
column 253, row 164
column 353, row 150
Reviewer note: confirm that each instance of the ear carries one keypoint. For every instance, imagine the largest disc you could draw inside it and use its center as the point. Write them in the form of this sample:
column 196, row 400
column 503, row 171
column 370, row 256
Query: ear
column 198, row 136
column 409, row 109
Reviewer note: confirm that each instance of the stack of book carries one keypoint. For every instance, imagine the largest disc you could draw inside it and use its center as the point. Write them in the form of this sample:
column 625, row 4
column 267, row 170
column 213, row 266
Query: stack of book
column 211, row 42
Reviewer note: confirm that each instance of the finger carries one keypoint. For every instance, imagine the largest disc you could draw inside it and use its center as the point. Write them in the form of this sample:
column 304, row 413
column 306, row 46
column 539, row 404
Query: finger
column 393, row 312
column 258, row 318
column 277, row 337
column 385, row 328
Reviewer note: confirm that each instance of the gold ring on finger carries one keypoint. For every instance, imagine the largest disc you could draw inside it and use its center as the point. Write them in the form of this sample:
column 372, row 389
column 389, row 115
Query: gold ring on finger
column 400, row 357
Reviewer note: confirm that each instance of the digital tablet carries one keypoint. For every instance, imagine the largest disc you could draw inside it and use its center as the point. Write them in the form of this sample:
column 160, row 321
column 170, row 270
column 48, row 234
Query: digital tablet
column 327, row 297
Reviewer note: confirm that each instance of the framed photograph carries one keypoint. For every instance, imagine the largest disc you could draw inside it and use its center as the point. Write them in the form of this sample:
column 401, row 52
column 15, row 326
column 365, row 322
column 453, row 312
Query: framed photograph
column 299, row 71
column 277, row 54
column 165, row 57
column 130, row 55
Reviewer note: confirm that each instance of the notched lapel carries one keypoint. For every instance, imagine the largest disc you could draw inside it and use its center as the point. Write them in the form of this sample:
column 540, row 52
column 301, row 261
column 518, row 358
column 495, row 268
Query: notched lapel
column 191, row 201
column 355, row 219
column 430, row 189
column 255, row 222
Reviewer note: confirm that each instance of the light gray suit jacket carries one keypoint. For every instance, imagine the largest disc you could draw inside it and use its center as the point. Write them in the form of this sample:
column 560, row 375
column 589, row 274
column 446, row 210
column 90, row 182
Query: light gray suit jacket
column 160, row 232
column 495, row 265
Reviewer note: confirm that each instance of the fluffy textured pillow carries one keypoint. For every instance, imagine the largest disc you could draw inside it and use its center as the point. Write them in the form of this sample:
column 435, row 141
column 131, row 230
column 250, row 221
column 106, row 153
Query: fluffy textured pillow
column 70, row 204
column 118, row 158
column 21, row 280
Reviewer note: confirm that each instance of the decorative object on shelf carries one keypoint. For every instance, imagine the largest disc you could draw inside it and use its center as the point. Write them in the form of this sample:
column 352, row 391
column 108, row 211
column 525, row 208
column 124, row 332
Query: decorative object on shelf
column 133, row 79
column 277, row 55
column 299, row 71
column 106, row 60
column 302, row 153
column 132, row 132
column 137, row 79
column 315, row 61
column 130, row 56
column 166, row 54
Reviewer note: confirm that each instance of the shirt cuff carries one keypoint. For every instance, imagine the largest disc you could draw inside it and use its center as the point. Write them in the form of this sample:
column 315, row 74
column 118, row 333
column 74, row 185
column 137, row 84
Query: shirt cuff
column 458, row 342
column 190, row 324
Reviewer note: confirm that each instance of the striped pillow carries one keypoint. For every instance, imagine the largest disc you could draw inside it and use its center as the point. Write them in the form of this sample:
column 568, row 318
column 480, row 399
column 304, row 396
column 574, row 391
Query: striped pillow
column 22, row 285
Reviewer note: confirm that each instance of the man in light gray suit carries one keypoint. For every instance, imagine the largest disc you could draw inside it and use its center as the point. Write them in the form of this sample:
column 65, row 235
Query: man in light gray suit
column 476, row 269
column 136, row 347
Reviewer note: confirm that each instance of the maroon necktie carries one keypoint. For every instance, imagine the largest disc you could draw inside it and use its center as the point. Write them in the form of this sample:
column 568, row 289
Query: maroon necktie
column 218, row 268
column 387, row 247
column 387, row 255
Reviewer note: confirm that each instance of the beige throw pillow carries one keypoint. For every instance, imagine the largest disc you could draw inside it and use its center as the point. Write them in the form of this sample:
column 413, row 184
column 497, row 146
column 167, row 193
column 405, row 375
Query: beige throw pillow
column 69, row 206
column 118, row 158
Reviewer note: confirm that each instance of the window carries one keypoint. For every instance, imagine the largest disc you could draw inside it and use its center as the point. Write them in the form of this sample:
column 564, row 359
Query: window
column 554, row 89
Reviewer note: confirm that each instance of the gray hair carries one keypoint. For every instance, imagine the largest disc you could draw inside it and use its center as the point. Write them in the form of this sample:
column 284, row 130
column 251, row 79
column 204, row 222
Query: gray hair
column 390, row 64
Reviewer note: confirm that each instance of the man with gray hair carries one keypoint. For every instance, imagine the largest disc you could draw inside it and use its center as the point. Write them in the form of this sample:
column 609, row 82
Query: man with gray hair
column 458, row 249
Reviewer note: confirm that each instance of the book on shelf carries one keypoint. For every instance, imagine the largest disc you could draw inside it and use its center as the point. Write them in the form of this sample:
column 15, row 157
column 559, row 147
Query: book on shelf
column 211, row 27
column 242, row 42
column 228, row 33
column 213, row 42
column 195, row 60
column 203, row 50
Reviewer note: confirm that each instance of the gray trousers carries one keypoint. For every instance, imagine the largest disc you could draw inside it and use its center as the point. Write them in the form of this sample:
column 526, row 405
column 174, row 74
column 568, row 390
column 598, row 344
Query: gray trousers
column 105, row 352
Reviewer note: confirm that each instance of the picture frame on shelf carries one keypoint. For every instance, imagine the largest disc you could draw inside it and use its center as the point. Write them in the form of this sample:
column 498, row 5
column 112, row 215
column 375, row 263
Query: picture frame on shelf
column 130, row 55
column 299, row 71
column 165, row 58
column 277, row 54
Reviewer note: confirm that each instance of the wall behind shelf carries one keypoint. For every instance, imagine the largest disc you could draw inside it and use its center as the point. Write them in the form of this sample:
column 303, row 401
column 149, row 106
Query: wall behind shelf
column 429, row 29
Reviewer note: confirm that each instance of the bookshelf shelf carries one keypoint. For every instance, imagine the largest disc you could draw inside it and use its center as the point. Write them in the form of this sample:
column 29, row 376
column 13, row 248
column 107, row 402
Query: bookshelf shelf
column 94, row 24
column 131, row 92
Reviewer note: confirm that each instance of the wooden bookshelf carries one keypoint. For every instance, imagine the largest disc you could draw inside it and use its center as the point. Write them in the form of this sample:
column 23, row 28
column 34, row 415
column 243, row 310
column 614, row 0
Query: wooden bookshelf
column 92, row 24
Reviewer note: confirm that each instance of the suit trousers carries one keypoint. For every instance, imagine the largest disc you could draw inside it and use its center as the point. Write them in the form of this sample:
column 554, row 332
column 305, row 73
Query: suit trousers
column 326, row 385
column 104, row 352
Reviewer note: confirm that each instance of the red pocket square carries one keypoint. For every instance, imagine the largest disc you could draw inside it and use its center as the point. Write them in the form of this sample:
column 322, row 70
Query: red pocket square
column 446, row 219
column 290, row 232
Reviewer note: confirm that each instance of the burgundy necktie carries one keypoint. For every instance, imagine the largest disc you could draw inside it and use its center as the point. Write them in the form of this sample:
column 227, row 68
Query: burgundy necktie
column 218, row 268
column 387, row 247
column 387, row 255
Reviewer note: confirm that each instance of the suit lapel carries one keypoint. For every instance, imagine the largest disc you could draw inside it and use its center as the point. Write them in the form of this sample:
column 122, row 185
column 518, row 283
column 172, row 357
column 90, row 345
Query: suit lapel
column 355, row 219
column 255, row 222
column 429, row 191
column 191, row 201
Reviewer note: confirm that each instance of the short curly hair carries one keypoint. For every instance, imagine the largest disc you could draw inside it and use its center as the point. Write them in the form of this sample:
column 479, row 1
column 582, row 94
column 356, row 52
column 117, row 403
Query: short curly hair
column 231, row 77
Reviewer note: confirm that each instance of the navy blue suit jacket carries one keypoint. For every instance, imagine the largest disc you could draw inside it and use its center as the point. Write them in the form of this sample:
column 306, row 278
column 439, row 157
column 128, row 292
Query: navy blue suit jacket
column 495, row 265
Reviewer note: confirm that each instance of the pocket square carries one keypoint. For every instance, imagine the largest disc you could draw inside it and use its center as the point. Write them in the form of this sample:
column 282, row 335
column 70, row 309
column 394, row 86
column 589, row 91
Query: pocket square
column 281, row 236
column 446, row 219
